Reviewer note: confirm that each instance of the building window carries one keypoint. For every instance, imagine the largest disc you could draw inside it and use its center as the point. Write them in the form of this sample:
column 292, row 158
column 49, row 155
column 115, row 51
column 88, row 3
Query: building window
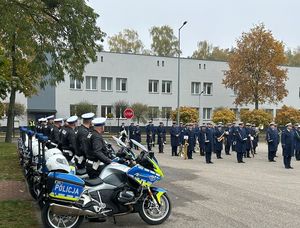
column 204, row 66
column 162, row 63
column 196, row 87
column 153, row 112
column 73, row 109
column 166, row 87
column 106, row 84
column 166, row 112
column 270, row 111
column 207, row 88
column 235, row 111
column 153, row 86
column 75, row 84
column 106, row 111
column 157, row 63
column 91, row 82
column 207, row 113
column 101, row 59
column 119, row 111
column 121, row 84
column 199, row 65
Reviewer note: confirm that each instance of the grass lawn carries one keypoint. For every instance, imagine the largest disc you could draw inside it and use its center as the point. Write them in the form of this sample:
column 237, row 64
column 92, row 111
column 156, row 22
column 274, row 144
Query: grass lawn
column 9, row 162
column 17, row 213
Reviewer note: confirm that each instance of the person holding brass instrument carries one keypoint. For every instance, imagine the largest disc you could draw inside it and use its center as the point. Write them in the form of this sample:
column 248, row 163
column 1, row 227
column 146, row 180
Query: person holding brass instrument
column 219, row 138
column 241, row 139
column 297, row 142
column 209, row 141
column 272, row 140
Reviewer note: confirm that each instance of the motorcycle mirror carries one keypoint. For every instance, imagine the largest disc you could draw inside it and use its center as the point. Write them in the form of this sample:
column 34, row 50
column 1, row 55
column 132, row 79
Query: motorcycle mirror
column 119, row 142
column 139, row 145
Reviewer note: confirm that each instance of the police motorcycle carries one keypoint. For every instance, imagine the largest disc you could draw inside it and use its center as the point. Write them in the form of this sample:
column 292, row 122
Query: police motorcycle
column 121, row 189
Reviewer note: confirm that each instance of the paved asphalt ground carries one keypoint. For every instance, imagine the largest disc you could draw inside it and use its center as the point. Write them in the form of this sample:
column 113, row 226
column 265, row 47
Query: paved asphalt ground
column 226, row 194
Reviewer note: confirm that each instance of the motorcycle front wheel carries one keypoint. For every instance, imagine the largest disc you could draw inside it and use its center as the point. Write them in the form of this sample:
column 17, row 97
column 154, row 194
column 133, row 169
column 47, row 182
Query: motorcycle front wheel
column 153, row 214
column 52, row 220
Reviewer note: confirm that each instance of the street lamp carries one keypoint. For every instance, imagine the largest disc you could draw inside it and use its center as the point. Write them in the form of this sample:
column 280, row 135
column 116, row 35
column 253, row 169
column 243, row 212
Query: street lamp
column 178, row 79
column 200, row 106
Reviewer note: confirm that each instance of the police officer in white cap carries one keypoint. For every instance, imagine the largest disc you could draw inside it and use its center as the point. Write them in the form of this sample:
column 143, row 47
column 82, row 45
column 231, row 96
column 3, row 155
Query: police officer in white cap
column 82, row 133
column 55, row 132
column 68, row 138
column 49, row 126
column 96, row 153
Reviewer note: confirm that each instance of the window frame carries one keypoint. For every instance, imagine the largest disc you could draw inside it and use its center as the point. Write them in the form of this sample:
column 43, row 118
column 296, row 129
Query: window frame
column 76, row 81
column 154, row 112
column 90, row 79
column 106, row 80
column 106, row 110
column 164, row 84
column 164, row 112
column 205, row 88
column 193, row 88
column 119, row 82
column 152, row 86
column 205, row 113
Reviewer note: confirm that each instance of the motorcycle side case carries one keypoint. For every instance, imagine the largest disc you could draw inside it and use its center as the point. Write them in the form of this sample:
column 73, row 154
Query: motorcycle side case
column 64, row 186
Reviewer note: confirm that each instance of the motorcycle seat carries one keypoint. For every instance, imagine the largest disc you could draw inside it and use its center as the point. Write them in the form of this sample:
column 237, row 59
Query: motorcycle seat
column 80, row 171
column 93, row 182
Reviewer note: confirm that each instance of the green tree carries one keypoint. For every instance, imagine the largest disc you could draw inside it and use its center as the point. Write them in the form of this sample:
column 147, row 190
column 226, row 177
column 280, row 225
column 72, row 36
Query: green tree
column 46, row 37
column 164, row 42
column 187, row 115
column 126, row 41
column 223, row 115
column 205, row 50
column 4, row 72
column 254, row 71
column 83, row 107
column 140, row 112
column 287, row 114
column 293, row 57
column 256, row 116
column 119, row 107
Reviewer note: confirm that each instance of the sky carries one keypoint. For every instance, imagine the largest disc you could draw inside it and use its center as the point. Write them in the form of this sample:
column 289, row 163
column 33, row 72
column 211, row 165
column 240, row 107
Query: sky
column 220, row 22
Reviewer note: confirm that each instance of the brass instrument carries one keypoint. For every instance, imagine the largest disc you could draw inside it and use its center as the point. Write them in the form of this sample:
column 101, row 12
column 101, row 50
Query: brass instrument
column 219, row 139
column 185, row 148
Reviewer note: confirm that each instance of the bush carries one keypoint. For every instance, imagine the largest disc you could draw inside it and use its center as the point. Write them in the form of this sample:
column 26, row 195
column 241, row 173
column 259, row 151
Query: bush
column 287, row 115
column 83, row 107
column 256, row 116
column 187, row 115
column 223, row 115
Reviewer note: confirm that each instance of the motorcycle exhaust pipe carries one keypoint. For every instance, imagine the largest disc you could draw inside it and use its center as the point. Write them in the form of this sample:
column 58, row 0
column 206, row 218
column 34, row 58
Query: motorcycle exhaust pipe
column 70, row 210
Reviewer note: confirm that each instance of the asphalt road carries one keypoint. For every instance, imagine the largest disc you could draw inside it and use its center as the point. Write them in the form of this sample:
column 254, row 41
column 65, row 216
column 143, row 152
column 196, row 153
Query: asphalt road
column 226, row 194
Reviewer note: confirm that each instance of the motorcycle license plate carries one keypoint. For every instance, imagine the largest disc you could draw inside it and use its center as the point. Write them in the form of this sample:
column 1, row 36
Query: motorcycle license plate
column 66, row 191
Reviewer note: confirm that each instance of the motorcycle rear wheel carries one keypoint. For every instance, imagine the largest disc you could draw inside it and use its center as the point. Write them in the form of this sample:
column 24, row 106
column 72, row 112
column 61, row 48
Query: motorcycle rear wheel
column 152, row 215
column 56, row 221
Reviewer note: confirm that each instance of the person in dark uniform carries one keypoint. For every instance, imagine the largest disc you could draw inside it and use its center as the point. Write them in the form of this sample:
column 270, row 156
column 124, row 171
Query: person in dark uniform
column 149, row 131
column 209, row 141
column 81, row 135
column 228, row 138
column 49, row 126
column 288, row 145
column 196, row 130
column 219, row 138
column 255, row 135
column 272, row 140
column 137, row 135
column 161, row 137
column 39, row 128
column 249, row 140
column 44, row 128
column 241, row 138
column 232, row 133
column 54, row 134
column 182, row 130
column 131, row 130
column 297, row 142
column 68, row 138
column 174, row 132
column 201, row 140
column 96, row 150
column 190, row 135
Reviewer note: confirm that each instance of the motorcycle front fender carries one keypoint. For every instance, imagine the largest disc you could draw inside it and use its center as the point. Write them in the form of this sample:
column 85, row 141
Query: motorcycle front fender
column 158, row 192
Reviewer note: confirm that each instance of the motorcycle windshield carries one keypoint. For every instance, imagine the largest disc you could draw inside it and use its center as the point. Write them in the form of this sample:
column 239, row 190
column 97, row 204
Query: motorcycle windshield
column 119, row 142
column 139, row 145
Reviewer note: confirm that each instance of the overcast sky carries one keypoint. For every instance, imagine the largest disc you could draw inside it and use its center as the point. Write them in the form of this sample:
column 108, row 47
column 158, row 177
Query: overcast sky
column 220, row 22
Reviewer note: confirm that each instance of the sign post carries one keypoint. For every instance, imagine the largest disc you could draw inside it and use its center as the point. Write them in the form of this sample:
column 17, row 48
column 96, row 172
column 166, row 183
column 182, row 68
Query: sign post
column 128, row 114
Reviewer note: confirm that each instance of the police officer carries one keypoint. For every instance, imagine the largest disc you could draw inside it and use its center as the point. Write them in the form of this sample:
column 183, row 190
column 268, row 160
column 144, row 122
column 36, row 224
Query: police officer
column 68, row 138
column 297, row 141
column 131, row 130
column 44, row 129
column 96, row 150
column 149, row 132
column 219, row 137
column 255, row 135
column 232, row 133
column 54, row 134
column 272, row 140
column 288, row 143
column 228, row 138
column 39, row 126
column 161, row 137
column 82, row 133
column 182, row 129
column 174, row 133
column 201, row 140
column 241, row 139
column 209, row 141
column 50, row 121
column 249, row 140
column 137, row 135
column 191, row 140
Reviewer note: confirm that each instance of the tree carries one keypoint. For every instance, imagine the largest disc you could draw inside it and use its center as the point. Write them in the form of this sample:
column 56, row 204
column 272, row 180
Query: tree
column 119, row 107
column 207, row 51
column 286, row 115
column 254, row 72
column 293, row 57
column 187, row 115
column 256, row 116
column 223, row 115
column 4, row 72
column 140, row 112
column 126, row 41
column 164, row 42
column 83, row 107
column 46, row 38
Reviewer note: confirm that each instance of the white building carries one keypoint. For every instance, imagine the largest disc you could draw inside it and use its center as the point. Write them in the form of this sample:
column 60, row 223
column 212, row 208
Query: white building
column 151, row 80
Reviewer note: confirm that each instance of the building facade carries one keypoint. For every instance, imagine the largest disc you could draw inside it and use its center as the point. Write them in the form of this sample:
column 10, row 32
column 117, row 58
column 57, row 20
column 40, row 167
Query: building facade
column 151, row 80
